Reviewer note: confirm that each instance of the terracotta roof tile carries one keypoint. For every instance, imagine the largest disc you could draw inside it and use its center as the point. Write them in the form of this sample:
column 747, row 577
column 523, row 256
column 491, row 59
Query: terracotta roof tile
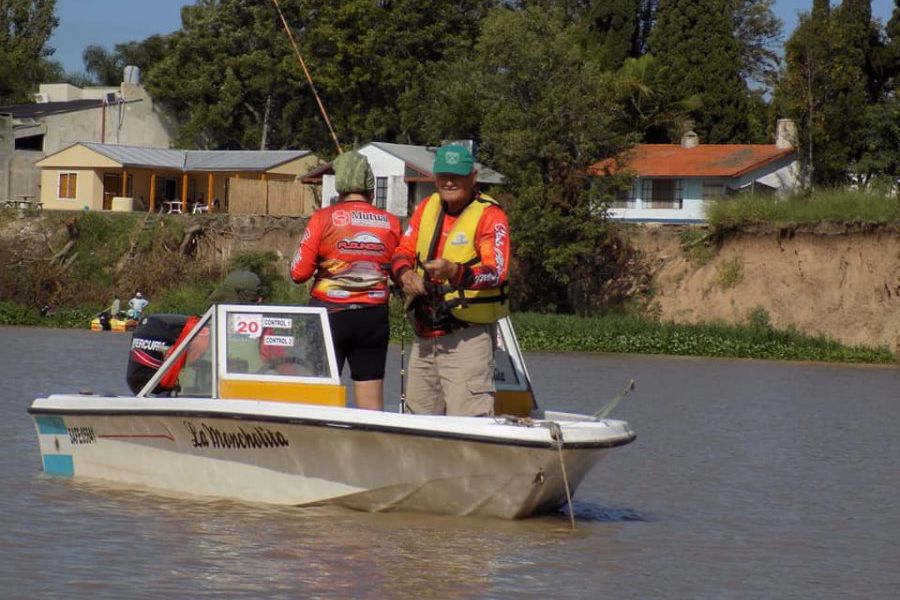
column 704, row 160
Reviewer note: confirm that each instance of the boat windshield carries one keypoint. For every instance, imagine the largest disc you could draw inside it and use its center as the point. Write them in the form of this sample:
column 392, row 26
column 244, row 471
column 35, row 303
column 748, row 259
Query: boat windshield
column 273, row 342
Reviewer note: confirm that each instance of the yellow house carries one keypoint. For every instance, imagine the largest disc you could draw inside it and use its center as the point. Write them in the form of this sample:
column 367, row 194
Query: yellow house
column 94, row 176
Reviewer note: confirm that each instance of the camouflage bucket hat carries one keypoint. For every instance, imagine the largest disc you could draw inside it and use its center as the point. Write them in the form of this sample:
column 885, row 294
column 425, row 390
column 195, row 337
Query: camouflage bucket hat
column 352, row 173
column 238, row 287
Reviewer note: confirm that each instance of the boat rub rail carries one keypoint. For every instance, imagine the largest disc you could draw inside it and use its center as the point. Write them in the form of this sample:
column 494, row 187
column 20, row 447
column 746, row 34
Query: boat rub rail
column 612, row 443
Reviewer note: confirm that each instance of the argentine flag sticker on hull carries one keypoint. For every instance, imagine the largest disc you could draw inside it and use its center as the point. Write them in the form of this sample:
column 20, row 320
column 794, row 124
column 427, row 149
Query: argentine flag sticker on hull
column 49, row 427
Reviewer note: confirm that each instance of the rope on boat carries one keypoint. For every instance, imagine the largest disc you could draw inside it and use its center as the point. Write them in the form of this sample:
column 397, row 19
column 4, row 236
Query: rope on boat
column 556, row 434
column 308, row 76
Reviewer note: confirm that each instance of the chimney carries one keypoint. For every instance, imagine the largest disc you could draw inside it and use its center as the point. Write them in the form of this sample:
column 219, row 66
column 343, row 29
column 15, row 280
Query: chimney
column 785, row 134
column 690, row 140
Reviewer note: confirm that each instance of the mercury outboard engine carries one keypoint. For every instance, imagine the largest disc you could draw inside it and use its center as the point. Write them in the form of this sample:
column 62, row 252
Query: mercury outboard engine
column 150, row 341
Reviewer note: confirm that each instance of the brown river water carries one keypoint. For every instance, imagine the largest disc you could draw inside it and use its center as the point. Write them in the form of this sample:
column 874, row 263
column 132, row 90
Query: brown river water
column 748, row 479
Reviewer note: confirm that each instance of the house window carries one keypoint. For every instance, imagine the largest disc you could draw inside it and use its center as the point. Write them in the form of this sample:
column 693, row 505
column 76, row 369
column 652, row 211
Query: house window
column 661, row 193
column 68, row 184
column 381, row 188
column 624, row 198
column 713, row 189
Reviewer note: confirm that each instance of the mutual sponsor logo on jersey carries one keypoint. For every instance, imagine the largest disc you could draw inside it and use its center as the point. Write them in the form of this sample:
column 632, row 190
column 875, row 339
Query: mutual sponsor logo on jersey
column 340, row 218
column 365, row 243
column 358, row 217
column 337, row 293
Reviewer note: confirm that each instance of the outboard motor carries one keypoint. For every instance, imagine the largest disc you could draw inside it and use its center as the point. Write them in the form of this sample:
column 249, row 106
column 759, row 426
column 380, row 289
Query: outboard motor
column 151, row 339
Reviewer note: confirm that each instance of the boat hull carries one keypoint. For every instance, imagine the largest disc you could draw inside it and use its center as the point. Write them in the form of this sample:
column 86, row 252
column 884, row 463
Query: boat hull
column 292, row 454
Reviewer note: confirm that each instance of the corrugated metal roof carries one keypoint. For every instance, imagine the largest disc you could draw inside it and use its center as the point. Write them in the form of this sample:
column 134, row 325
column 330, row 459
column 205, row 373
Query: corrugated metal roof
column 240, row 160
column 704, row 160
column 137, row 156
column 196, row 160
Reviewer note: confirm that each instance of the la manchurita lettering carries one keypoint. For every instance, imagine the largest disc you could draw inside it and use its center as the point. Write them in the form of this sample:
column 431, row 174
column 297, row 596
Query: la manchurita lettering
column 206, row 436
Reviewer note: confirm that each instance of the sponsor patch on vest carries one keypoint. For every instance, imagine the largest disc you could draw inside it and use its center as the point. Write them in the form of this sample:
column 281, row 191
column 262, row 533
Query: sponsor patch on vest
column 337, row 293
column 459, row 239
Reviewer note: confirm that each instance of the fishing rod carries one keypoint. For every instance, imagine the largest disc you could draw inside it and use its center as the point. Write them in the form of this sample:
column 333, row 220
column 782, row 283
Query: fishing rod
column 312, row 85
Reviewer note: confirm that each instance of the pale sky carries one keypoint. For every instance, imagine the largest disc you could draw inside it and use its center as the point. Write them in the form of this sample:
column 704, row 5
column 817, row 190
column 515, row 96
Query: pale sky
column 108, row 22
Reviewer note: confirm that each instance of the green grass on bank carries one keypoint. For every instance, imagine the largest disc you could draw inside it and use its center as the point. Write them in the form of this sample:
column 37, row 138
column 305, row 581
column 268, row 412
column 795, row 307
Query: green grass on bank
column 623, row 334
column 615, row 333
column 566, row 333
column 836, row 206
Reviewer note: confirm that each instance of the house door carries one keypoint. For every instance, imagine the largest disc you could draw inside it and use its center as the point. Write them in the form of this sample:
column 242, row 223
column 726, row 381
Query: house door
column 112, row 186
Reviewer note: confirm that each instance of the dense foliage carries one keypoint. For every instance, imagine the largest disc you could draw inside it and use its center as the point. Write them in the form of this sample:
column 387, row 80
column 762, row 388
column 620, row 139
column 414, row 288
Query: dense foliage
column 706, row 65
column 839, row 85
column 25, row 29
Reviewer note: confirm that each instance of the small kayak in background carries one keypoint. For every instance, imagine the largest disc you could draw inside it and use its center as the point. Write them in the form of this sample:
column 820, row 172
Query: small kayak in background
column 103, row 322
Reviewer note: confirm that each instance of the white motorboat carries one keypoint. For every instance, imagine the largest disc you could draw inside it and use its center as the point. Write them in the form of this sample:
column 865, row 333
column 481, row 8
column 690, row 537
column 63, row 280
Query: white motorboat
column 259, row 414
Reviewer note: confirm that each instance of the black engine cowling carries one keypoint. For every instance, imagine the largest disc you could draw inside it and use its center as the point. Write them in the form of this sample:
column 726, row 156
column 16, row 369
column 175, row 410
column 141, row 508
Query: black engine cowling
column 151, row 339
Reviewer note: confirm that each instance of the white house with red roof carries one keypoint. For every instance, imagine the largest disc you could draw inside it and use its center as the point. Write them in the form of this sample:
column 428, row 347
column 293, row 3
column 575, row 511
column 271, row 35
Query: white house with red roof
column 673, row 182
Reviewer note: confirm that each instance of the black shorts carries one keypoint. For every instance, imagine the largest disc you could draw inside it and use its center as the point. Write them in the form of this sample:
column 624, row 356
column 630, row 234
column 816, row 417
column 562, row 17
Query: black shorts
column 361, row 338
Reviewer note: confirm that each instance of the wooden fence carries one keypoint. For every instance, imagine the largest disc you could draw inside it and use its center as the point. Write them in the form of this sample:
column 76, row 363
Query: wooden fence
column 256, row 197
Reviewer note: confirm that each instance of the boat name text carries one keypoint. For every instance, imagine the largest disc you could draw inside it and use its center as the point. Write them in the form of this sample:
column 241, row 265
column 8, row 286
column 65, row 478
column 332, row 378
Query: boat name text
column 206, row 436
column 82, row 435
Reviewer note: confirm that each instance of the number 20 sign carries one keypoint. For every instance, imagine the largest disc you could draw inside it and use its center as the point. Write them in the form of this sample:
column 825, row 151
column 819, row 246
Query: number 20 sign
column 249, row 325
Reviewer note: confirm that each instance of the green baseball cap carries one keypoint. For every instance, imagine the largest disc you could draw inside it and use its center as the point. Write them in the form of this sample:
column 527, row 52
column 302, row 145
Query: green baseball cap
column 352, row 173
column 453, row 159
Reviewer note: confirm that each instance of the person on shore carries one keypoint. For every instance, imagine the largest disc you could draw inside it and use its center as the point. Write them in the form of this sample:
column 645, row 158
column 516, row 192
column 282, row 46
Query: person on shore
column 346, row 249
column 136, row 306
column 453, row 262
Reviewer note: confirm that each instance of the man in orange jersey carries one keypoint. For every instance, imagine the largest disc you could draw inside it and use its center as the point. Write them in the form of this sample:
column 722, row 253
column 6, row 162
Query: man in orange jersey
column 347, row 248
column 453, row 260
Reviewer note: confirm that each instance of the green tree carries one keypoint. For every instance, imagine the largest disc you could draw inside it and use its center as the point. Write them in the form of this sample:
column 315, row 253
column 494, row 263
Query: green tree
column 229, row 76
column 610, row 30
column 25, row 28
column 106, row 68
column 879, row 138
column 694, row 42
column 826, row 86
column 375, row 60
column 758, row 33
column 650, row 115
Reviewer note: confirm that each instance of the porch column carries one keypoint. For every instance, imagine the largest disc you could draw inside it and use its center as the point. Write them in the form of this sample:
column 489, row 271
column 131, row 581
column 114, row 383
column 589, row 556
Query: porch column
column 210, row 180
column 152, row 203
column 124, row 189
column 184, row 191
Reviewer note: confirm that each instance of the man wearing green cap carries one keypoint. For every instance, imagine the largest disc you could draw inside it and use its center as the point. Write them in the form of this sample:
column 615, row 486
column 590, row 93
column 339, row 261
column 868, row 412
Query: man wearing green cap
column 453, row 261
column 347, row 249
